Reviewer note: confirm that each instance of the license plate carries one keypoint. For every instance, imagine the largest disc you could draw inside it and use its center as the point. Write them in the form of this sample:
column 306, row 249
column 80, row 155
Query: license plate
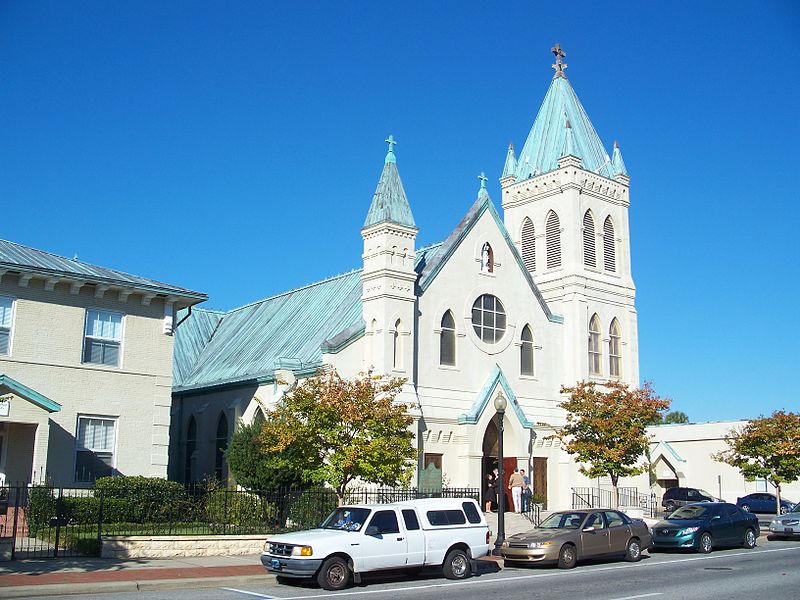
column 275, row 563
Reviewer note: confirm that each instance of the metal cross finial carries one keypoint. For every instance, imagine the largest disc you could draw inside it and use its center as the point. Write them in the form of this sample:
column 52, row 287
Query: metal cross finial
column 559, row 65
column 483, row 179
column 391, row 141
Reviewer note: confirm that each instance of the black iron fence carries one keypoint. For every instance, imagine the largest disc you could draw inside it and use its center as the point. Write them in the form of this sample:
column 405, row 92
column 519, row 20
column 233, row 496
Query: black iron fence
column 590, row 497
column 47, row 521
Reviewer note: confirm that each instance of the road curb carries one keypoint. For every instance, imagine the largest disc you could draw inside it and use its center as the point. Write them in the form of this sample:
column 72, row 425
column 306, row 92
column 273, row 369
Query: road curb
column 112, row 587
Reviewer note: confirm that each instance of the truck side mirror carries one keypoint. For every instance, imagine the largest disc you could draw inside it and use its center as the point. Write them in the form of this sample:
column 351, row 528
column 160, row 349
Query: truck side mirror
column 372, row 530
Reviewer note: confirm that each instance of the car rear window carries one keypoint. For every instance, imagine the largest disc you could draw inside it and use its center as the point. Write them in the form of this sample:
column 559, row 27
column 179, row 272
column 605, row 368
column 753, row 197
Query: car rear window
column 438, row 518
column 472, row 513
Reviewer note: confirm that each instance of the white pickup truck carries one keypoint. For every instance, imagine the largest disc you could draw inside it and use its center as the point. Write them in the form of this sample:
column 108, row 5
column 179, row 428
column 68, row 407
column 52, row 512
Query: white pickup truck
column 450, row 532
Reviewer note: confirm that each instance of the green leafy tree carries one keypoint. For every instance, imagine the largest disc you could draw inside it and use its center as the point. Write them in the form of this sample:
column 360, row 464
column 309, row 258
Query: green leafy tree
column 676, row 417
column 256, row 467
column 348, row 429
column 607, row 428
column 767, row 447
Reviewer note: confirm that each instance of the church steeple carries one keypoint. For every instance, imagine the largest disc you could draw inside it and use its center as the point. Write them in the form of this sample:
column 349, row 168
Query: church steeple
column 389, row 203
column 617, row 164
column 510, row 168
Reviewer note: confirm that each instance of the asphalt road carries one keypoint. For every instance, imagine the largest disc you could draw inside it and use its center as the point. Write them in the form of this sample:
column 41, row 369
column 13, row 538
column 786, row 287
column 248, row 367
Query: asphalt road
column 771, row 570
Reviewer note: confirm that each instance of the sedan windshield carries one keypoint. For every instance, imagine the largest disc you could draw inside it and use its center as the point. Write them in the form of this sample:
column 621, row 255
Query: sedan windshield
column 568, row 520
column 346, row 518
column 690, row 512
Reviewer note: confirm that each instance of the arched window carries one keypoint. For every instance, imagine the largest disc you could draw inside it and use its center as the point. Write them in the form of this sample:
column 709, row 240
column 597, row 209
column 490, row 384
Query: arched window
column 614, row 350
column 589, row 258
column 594, row 346
column 553, row 239
column 397, row 349
column 528, row 243
column 487, row 258
column 447, row 340
column 370, row 343
column 191, row 447
column 220, row 446
column 526, row 352
column 258, row 418
column 609, row 245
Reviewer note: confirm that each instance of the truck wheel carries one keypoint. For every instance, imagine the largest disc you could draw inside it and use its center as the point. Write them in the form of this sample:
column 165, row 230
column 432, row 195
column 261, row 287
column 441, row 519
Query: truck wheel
column 670, row 506
column 456, row 565
column 334, row 574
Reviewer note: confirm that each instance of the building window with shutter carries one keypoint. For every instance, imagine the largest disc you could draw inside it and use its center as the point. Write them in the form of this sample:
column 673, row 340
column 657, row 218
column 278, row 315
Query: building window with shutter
column 94, row 450
column 447, row 341
column 528, row 244
column 595, row 364
column 553, row 240
column 614, row 350
column 589, row 257
column 102, row 342
column 526, row 352
column 220, row 446
column 609, row 245
column 6, row 313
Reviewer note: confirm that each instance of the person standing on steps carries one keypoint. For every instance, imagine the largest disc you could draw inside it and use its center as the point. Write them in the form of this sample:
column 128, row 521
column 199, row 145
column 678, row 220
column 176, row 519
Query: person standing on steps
column 515, row 484
column 526, row 491
column 490, row 496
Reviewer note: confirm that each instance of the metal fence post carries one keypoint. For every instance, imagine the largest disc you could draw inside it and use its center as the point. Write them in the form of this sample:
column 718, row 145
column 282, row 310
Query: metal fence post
column 100, row 522
column 225, row 513
column 59, row 510
column 18, row 495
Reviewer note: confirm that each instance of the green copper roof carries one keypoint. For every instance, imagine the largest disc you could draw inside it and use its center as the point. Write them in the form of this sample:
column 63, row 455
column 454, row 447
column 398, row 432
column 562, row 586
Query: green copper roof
column 510, row 167
column 389, row 204
column 496, row 379
column 618, row 165
column 30, row 395
column 547, row 139
column 16, row 257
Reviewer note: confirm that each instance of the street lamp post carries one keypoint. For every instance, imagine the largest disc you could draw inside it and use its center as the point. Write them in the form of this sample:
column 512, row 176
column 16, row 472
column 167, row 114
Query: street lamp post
column 500, row 408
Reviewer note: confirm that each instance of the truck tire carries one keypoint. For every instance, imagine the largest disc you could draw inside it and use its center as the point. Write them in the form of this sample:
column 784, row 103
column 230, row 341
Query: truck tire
column 456, row 565
column 334, row 574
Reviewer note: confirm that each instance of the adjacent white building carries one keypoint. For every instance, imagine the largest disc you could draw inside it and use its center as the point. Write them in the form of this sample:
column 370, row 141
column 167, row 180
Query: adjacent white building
column 526, row 302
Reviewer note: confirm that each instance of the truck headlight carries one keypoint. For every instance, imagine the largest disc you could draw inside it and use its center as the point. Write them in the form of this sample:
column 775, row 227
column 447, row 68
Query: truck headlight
column 302, row 551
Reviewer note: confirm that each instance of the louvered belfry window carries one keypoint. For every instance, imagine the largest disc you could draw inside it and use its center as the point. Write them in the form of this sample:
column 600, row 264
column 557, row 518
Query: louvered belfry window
column 614, row 350
column 609, row 258
column 553, row 238
column 447, row 341
column 528, row 245
column 594, row 346
column 589, row 258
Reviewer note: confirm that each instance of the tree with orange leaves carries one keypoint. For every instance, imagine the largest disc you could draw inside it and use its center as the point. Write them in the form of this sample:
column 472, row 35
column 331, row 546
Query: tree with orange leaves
column 349, row 429
column 607, row 428
column 767, row 447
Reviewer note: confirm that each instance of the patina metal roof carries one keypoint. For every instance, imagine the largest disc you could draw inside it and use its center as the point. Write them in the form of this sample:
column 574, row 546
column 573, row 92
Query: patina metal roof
column 16, row 257
column 389, row 203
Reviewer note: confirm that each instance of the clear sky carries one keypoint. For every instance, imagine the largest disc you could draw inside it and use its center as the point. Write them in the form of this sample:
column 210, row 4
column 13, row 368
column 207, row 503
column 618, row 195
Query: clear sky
column 233, row 148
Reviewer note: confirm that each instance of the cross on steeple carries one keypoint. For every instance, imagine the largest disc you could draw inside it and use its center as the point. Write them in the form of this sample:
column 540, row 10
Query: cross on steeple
column 390, row 155
column 559, row 65
column 483, row 179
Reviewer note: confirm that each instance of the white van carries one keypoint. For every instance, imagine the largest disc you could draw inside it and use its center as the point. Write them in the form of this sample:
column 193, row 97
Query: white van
column 450, row 532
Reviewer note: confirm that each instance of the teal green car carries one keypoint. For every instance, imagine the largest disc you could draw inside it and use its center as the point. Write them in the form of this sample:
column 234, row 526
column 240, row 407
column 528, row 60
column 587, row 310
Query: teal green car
column 705, row 526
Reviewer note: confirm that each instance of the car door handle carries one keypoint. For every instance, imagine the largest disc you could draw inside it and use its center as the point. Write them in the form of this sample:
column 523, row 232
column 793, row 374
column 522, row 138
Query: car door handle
column 400, row 539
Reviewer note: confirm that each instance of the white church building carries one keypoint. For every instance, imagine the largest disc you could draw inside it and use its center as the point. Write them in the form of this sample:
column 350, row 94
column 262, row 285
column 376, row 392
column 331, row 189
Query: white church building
column 526, row 302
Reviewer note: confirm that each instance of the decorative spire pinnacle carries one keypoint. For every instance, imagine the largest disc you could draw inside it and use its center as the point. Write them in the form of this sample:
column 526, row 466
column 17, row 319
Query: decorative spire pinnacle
column 559, row 65
column 617, row 164
column 390, row 157
column 569, row 142
column 483, row 191
column 510, row 168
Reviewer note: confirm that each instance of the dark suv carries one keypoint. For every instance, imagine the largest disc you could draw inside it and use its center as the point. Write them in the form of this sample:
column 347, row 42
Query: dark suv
column 680, row 496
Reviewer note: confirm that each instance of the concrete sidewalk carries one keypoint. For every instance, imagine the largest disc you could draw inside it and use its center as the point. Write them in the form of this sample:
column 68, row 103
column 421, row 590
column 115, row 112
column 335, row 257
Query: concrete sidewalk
column 53, row 577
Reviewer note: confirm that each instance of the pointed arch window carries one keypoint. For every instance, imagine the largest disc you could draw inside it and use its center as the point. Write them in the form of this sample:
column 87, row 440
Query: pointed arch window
column 553, row 239
column 191, row 447
column 595, row 364
column 259, row 419
column 487, row 258
column 589, row 255
column 220, row 446
column 609, row 246
column 528, row 239
column 447, row 340
column 615, row 350
column 397, row 350
column 369, row 349
column 526, row 352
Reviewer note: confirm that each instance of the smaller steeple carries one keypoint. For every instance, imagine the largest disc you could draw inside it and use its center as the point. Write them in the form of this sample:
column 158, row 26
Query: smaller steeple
column 617, row 164
column 389, row 203
column 483, row 192
column 569, row 156
column 511, row 163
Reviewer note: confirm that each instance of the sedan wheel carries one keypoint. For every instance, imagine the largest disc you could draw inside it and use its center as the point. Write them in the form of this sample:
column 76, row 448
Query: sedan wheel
column 634, row 551
column 749, row 539
column 568, row 557
column 706, row 543
column 746, row 507
column 670, row 506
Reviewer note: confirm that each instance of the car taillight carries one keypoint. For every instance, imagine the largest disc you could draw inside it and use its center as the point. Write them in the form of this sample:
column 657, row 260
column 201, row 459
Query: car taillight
column 488, row 536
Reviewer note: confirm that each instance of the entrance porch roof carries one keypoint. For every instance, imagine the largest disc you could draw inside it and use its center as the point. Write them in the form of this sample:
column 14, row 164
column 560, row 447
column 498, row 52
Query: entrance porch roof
column 30, row 395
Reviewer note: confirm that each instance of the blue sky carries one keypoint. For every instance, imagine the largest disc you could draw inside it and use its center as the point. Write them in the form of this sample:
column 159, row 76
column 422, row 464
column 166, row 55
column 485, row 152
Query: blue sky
column 233, row 148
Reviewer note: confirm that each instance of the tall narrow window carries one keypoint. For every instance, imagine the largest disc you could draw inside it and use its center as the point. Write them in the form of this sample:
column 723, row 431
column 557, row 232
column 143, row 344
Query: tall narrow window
column 447, row 340
column 553, row 239
column 220, row 446
column 609, row 245
column 191, row 447
column 526, row 352
column 103, row 338
column 259, row 419
column 528, row 239
column 614, row 350
column 594, row 346
column 589, row 258
column 6, row 306
column 487, row 258
column 94, row 451
column 397, row 349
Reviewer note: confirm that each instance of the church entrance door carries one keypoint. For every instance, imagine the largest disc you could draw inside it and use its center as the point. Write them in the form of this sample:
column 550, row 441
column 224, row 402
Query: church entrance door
column 539, row 480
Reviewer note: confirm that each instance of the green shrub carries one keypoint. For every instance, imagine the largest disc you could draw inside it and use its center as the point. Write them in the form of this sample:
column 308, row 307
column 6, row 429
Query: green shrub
column 240, row 509
column 311, row 507
column 148, row 499
column 86, row 510
column 42, row 506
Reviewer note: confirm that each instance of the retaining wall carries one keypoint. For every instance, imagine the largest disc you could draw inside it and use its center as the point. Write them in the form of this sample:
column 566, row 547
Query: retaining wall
column 169, row 546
